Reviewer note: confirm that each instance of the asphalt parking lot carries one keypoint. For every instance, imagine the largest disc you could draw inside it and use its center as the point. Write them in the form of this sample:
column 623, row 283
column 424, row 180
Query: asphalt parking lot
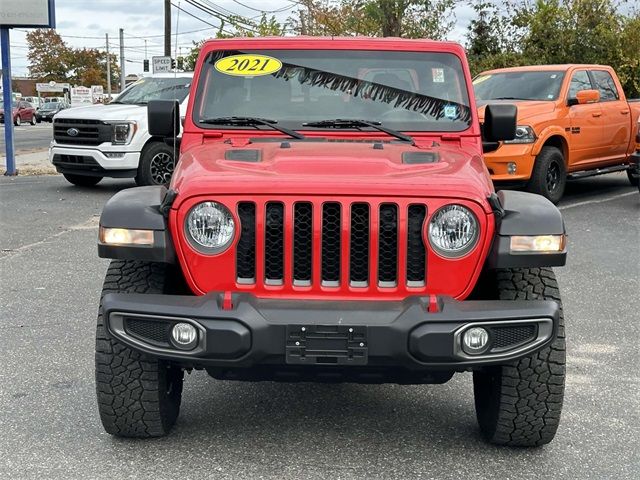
column 29, row 138
column 50, row 280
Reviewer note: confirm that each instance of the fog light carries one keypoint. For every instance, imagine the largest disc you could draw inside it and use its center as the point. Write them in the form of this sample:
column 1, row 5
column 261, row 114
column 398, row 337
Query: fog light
column 184, row 336
column 475, row 340
column 511, row 168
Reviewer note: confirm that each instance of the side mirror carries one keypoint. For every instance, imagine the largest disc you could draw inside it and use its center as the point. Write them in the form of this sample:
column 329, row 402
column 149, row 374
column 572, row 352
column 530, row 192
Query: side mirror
column 585, row 96
column 163, row 117
column 500, row 123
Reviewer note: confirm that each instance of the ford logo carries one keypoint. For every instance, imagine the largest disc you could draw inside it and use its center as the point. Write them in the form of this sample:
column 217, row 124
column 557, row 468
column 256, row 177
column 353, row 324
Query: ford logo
column 73, row 132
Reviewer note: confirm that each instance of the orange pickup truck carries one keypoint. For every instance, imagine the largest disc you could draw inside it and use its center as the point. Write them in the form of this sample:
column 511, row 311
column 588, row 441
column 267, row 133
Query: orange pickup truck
column 573, row 121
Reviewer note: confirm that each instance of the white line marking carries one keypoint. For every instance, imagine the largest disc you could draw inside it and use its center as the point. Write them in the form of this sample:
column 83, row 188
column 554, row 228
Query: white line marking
column 601, row 200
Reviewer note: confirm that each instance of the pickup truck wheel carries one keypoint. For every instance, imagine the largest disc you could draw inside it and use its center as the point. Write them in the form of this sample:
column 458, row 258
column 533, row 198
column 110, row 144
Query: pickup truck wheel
column 549, row 176
column 82, row 180
column 634, row 177
column 519, row 404
column 156, row 165
column 138, row 395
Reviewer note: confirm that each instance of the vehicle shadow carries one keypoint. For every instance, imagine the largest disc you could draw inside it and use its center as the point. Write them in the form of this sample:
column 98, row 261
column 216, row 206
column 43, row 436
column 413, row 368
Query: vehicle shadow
column 285, row 417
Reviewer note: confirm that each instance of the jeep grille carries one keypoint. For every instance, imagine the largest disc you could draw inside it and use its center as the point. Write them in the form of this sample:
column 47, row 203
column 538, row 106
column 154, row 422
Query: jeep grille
column 332, row 243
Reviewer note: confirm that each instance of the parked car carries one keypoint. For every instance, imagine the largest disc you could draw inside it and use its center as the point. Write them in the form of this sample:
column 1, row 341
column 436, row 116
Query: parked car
column 49, row 109
column 330, row 220
column 112, row 140
column 36, row 102
column 573, row 121
column 22, row 112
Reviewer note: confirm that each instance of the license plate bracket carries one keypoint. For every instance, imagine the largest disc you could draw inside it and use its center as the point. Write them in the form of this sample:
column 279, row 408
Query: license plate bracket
column 326, row 345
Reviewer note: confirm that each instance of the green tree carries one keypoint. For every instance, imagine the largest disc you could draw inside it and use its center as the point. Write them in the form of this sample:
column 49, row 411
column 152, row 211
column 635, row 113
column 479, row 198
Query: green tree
column 378, row 18
column 48, row 55
column 50, row 58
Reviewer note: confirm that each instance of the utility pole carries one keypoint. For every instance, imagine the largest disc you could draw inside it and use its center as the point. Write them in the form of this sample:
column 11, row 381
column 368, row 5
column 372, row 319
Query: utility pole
column 108, row 68
column 123, row 82
column 167, row 28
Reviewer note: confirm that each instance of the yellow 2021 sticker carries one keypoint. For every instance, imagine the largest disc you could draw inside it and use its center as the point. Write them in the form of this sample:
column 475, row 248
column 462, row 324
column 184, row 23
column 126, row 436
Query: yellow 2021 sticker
column 248, row 65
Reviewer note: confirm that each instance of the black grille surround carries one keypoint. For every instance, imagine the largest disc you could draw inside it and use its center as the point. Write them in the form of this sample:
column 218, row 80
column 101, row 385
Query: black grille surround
column 333, row 244
column 89, row 132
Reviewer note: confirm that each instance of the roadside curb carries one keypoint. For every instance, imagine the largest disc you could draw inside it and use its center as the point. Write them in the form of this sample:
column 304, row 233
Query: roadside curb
column 33, row 163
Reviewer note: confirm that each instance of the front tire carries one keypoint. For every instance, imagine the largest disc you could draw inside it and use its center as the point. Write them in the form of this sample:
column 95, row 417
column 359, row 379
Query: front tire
column 138, row 395
column 634, row 177
column 549, row 176
column 33, row 120
column 82, row 180
column 156, row 165
column 519, row 404
column 18, row 121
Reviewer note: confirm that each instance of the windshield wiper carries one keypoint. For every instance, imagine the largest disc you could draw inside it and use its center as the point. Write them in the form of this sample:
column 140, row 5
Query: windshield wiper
column 510, row 98
column 251, row 121
column 354, row 123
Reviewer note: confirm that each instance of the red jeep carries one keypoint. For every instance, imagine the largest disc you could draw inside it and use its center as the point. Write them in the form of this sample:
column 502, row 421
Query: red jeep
column 331, row 219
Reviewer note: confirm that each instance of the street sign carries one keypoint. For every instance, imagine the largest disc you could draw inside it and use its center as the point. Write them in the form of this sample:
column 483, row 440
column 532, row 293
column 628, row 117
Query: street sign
column 161, row 64
column 51, row 87
column 27, row 13
column 81, row 95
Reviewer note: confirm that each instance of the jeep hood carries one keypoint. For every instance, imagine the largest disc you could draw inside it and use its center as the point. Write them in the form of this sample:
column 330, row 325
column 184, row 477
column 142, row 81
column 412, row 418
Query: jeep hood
column 330, row 168
column 526, row 108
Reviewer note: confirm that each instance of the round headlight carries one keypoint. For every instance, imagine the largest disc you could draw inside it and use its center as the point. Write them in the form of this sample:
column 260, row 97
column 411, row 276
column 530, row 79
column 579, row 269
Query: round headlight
column 453, row 231
column 210, row 227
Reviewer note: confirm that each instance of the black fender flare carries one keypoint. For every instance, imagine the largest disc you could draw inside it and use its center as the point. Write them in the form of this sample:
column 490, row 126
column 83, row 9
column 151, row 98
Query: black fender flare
column 139, row 208
column 524, row 213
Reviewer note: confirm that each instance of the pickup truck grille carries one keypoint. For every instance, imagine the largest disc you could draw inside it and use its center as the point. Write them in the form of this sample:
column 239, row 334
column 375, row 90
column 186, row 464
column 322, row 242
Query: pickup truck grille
column 89, row 132
column 332, row 244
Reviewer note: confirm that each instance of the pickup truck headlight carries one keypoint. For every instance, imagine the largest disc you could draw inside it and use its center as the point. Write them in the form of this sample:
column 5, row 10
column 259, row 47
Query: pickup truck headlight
column 122, row 132
column 453, row 231
column 524, row 134
column 210, row 227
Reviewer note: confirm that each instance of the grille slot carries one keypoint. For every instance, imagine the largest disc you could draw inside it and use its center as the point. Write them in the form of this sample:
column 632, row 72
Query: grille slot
column 149, row 330
column 274, row 244
column 246, row 253
column 511, row 336
column 416, row 250
column 388, row 246
column 331, row 231
column 302, row 243
column 359, row 245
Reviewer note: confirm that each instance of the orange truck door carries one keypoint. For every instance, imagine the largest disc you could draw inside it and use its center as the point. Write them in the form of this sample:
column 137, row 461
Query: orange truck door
column 586, row 130
column 616, row 116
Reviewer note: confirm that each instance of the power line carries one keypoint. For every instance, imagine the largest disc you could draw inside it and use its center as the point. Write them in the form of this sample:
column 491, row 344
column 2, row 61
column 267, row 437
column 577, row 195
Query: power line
column 278, row 10
column 225, row 17
column 217, row 27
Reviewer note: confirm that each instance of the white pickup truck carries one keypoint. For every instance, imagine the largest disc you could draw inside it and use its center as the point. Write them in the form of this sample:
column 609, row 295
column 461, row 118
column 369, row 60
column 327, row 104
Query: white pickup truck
column 112, row 140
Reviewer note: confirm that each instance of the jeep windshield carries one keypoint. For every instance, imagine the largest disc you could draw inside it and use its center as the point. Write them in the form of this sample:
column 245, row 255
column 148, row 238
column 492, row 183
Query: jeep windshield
column 523, row 85
column 404, row 91
column 147, row 89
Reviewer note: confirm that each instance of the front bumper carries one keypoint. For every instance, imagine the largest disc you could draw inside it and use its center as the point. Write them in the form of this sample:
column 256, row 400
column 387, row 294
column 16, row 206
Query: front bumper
column 242, row 331
column 519, row 153
column 91, row 161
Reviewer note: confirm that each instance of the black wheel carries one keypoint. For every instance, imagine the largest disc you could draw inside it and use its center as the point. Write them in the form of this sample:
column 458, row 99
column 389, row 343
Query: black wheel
column 519, row 404
column 634, row 177
column 82, row 180
column 549, row 176
column 18, row 121
column 156, row 165
column 138, row 395
column 33, row 120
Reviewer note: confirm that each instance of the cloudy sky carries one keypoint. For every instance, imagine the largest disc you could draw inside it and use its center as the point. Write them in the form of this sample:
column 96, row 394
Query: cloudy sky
column 83, row 23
